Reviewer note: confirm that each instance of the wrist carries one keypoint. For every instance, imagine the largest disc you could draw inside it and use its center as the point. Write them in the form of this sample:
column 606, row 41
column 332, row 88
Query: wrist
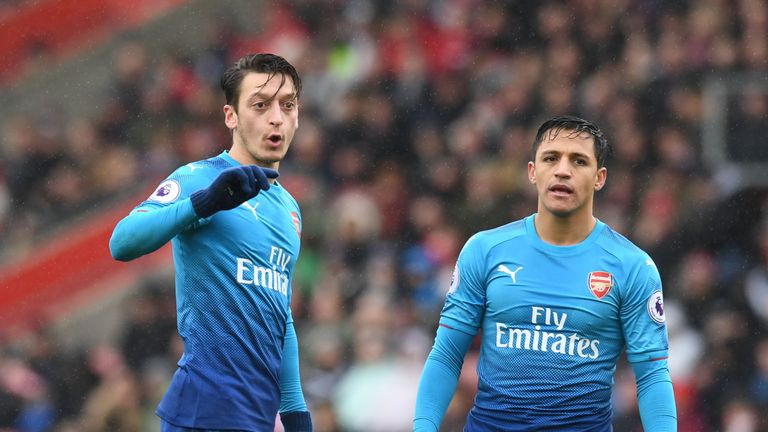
column 203, row 203
column 423, row 425
column 296, row 421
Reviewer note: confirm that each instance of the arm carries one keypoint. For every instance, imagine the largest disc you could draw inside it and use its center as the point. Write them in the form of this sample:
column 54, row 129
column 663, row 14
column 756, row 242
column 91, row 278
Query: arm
column 644, row 326
column 150, row 226
column 146, row 229
column 655, row 396
column 293, row 409
column 440, row 377
column 461, row 317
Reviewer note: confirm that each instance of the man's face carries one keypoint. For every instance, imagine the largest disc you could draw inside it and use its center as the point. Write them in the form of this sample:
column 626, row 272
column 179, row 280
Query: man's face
column 565, row 173
column 265, row 121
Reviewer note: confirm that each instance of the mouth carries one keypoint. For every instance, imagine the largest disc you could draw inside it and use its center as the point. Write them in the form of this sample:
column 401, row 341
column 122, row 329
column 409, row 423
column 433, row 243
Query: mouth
column 275, row 138
column 560, row 189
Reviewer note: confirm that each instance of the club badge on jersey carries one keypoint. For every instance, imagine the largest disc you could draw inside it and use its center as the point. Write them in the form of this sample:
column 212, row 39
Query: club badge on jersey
column 296, row 222
column 600, row 283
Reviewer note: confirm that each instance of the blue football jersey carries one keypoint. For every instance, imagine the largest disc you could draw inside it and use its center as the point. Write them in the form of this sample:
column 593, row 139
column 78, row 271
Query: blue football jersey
column 233, row 291
column 554, row 320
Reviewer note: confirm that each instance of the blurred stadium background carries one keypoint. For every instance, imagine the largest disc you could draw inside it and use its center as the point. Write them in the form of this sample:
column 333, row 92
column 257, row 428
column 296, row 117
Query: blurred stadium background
column 415, row 127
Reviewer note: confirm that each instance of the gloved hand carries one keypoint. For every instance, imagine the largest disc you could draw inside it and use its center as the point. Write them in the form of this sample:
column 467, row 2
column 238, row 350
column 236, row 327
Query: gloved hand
column 231, row 188
column 296, row 421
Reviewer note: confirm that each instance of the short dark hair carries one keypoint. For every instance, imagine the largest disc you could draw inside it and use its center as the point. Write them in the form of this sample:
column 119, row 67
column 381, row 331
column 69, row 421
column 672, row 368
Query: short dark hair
column 262, row 63
column 576, row 125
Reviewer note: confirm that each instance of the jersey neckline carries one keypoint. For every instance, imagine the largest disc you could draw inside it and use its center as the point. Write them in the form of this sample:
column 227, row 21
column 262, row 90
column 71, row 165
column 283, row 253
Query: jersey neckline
column 574, row 249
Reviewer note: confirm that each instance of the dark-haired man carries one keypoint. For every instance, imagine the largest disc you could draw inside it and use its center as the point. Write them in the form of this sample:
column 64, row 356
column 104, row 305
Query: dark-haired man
column 235, row 233
column 557, row 295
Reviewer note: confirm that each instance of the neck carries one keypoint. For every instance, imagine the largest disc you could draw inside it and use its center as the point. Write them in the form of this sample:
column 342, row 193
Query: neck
column 239, row 153
column 564, row 230
column 242, row 156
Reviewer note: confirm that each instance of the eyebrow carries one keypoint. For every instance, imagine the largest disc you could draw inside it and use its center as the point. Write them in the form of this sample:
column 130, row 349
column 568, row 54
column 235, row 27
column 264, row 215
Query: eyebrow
column 260, row 95
column 574, row 154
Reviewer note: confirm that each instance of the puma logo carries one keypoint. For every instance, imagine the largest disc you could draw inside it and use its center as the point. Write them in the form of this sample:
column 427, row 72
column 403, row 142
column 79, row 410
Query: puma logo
column 504, row 269
column 251, row 208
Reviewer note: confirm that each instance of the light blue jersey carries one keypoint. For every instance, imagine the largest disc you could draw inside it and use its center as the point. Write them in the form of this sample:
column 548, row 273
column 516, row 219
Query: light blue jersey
column 554, row 320
column 233, row 291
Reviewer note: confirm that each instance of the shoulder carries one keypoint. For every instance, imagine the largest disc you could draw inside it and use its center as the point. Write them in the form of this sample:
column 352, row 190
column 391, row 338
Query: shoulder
column 186, row 179
column 290, row 201
column 625, row 251
column 491, row 238
column 203, row 168
column 201, row 172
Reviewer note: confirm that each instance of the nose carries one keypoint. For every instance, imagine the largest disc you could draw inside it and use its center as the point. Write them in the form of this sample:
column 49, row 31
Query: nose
column 275, row 114
column 563, row 168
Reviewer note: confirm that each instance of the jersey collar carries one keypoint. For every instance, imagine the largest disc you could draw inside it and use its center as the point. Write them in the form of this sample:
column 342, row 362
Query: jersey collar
column 575, row 249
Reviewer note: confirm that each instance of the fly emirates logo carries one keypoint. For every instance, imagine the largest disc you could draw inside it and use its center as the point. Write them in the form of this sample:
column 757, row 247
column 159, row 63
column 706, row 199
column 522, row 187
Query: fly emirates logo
column 551, row 339
column 274, row 277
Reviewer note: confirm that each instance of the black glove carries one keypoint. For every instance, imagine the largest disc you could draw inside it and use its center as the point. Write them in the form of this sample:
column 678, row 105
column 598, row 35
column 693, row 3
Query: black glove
column 296, row 421
column 231, row 188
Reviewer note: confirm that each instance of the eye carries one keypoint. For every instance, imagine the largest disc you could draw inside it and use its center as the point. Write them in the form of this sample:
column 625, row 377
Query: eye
column 581, row 162
column 548, row 158
column 289, row 105
column 259, row 105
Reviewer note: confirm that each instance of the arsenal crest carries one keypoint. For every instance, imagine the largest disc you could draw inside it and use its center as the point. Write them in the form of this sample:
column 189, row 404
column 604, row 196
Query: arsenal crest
column 600, row 283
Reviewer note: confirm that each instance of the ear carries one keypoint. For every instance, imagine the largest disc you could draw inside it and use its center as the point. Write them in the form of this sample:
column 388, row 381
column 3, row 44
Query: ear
column 532, row 172
column 600, row 178
column 230, row 117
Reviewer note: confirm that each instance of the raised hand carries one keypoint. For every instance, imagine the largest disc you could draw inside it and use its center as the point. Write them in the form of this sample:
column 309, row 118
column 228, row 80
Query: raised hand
column 231, row 188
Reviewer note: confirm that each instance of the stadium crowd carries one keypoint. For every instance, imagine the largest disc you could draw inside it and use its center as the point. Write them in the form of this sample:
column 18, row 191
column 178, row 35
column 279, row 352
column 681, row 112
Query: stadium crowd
column 416, row 125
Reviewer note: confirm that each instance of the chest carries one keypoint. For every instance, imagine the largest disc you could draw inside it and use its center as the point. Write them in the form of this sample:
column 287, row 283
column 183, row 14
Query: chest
column 263, row 230
column 564, row 293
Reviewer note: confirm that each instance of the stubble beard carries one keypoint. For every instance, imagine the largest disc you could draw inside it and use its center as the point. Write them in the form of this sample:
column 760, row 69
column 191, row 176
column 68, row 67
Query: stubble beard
column 560, row 212
column 254, row 155
column 559, row 209
column 566, row 211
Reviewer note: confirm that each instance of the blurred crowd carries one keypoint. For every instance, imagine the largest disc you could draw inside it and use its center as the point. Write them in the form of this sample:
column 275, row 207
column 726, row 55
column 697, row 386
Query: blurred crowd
column 416, row 124
column 9, row 7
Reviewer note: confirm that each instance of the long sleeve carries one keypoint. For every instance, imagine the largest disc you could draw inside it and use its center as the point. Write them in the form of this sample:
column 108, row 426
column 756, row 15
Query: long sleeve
column 655, row 396
column 147, row 228
column 291, row 396
column 439, row 378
